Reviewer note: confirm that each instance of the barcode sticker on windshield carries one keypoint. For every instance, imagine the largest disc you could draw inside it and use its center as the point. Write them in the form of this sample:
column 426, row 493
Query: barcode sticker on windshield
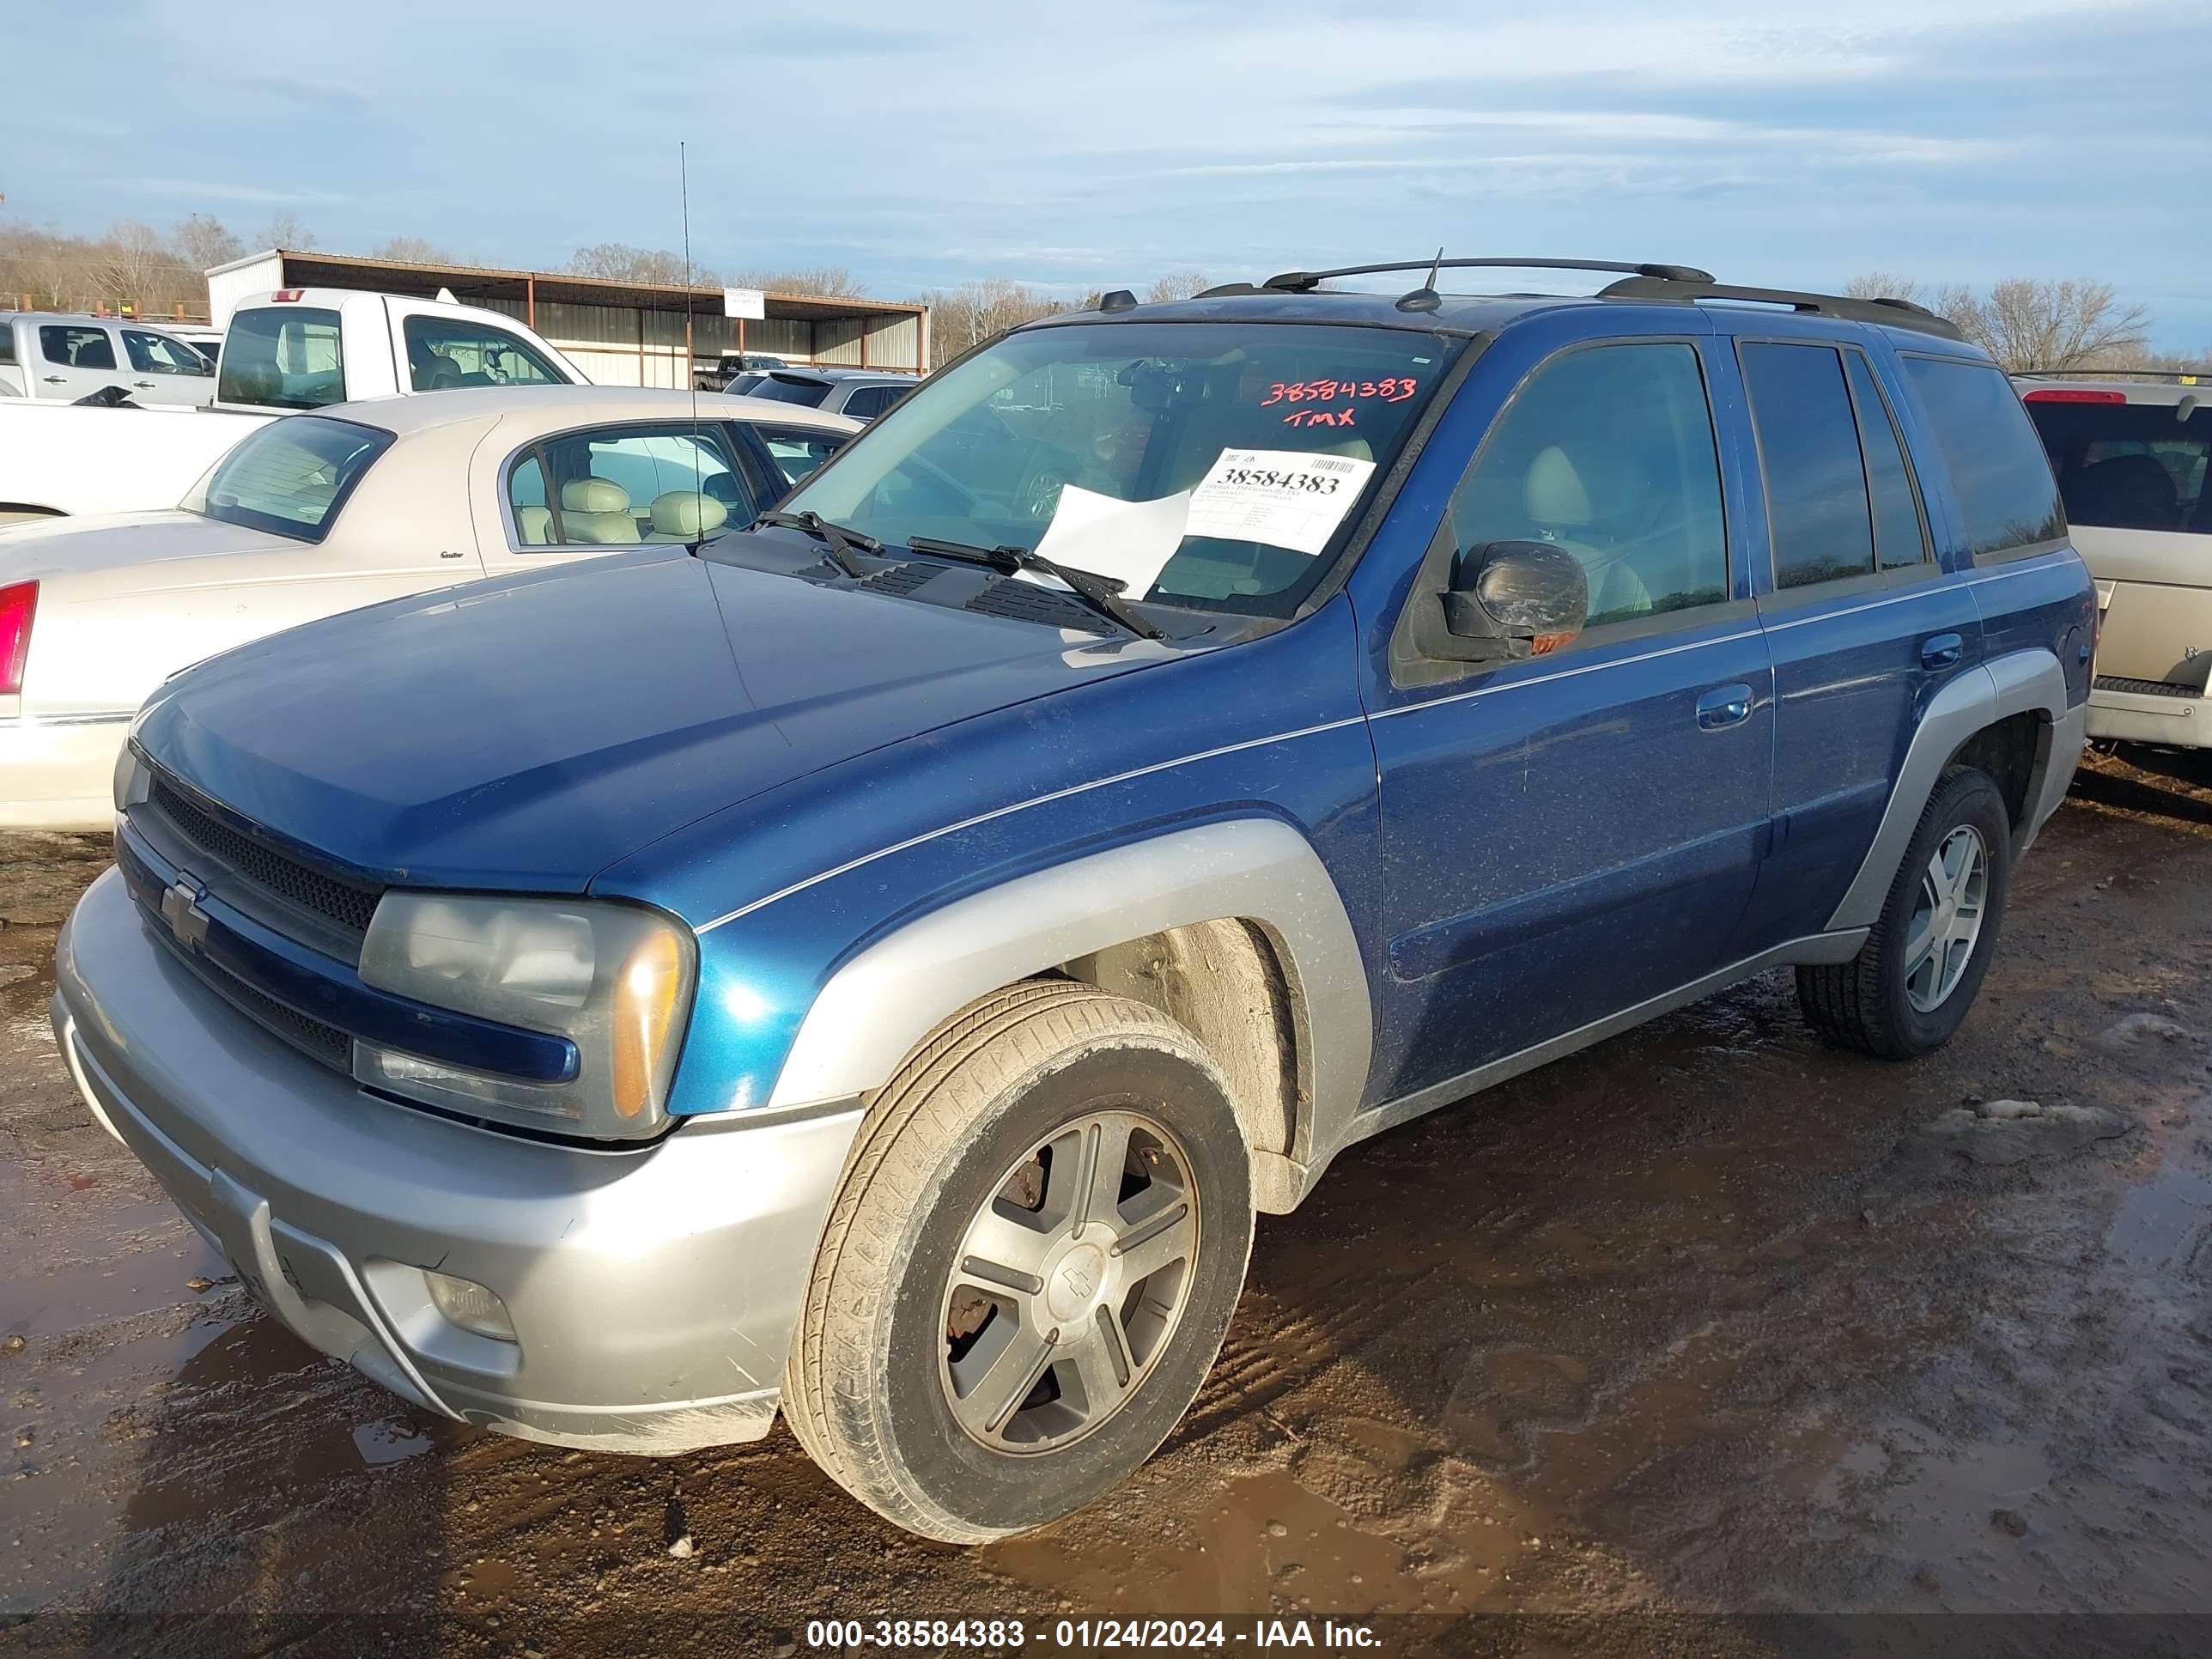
column 1283, row 497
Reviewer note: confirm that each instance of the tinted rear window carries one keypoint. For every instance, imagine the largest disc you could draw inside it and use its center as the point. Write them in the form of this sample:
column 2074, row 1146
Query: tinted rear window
column 1808, row 454
column 288, row 357
column 2131, row 466
column 808, row 394
column 7, row 343
column 291, row 477
column 2003, row 484
column 869, row 401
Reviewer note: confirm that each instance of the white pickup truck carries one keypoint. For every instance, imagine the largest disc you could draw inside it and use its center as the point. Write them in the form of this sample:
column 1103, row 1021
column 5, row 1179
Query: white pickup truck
column 298, row 348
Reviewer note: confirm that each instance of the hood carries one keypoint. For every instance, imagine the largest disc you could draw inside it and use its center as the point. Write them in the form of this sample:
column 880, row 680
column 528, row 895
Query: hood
column 522, row 735
column 114, row 541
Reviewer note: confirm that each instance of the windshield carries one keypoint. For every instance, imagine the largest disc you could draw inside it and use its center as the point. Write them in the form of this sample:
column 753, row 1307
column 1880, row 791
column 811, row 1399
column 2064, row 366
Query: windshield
column 1212, row 465
column 290, row 477
column 2129, row 466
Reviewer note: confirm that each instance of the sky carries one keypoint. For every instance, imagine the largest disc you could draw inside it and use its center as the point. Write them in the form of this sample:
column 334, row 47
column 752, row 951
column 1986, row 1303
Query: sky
column 1079, row 146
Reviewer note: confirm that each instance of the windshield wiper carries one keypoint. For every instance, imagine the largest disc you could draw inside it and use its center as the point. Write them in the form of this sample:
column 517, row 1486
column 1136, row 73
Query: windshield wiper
column 1092, row 591
column 838, row 542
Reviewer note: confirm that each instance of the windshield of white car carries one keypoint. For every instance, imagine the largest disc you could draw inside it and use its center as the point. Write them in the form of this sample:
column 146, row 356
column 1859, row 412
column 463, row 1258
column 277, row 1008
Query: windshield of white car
column 1217, row 466
column 291, row 477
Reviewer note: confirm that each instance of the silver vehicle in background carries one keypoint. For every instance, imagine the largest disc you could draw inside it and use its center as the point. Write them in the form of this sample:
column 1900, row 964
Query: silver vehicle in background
column 2131, row 453
column 860, row 394
column 63, row 357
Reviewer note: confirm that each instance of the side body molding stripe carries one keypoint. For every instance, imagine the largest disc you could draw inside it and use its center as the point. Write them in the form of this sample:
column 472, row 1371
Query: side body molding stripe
column 881, row 1002
column 2015, row 684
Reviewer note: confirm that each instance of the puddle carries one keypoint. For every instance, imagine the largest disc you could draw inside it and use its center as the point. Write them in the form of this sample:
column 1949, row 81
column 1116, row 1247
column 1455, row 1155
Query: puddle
column 56, row 1303
column 391, row 1440
column 1268, row 1544
column 2165, row 1225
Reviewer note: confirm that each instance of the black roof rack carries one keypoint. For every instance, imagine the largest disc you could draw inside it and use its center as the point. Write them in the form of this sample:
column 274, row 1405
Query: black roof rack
column 1303, row 282
column 1889, row 314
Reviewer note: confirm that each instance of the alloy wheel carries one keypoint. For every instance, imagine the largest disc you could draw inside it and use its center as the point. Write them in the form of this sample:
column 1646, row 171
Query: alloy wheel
column 1069, row 1282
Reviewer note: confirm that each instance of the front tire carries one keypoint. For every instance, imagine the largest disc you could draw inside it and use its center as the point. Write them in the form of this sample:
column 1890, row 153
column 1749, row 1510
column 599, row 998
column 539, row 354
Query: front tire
column 1029, row 1265
column 1914, row 979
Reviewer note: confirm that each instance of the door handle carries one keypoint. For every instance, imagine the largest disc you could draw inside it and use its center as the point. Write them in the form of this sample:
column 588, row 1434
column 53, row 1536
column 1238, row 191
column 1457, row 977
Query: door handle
column 1730, row 705
column 1942, row 650
column 56, row 379
column 147, row 384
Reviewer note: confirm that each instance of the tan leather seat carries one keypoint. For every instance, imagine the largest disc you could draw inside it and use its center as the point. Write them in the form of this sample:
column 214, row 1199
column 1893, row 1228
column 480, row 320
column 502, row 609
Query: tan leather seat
column 596, row 512
column 685, row 515
column 535, row 525
column 1558, row 502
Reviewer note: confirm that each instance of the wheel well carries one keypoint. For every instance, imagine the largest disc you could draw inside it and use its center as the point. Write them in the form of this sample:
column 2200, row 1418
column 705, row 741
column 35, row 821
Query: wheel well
column 1225, row 980
column 2011, row 752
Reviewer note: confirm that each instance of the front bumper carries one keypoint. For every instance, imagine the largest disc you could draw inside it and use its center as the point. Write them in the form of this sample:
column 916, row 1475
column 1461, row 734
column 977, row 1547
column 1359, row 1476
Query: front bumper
column 2183, row 721
column 60, row 773
column 654, row 1292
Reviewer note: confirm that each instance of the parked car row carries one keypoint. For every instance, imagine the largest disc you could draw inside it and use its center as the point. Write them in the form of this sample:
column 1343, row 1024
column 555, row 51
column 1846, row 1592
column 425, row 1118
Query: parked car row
column 60, row 358
column 343, row 507
column 293, row 349
column 873, row 965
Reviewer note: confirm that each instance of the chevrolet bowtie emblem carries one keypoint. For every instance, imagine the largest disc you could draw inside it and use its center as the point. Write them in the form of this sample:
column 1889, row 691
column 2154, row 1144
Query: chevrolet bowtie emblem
column 180, row 909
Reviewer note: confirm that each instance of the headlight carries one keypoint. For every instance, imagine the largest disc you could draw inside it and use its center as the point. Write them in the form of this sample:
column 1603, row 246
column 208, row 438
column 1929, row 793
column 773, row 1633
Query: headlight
column 131, row 779
column 614, row 979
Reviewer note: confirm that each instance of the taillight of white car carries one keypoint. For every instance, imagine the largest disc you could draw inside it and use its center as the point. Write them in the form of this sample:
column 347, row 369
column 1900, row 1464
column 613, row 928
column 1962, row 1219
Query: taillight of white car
column 19, row 603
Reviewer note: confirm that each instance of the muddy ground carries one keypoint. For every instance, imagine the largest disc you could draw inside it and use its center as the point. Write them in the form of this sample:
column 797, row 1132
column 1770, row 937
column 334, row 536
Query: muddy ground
column 1707, row 1320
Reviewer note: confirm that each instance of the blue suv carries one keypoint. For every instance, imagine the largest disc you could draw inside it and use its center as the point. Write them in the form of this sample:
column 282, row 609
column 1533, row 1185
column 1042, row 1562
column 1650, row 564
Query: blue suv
column 876, row 963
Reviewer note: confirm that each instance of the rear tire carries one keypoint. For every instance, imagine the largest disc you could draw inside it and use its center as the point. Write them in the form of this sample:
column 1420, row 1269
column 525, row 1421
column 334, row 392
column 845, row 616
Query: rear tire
column 1029, row 1265
column 1914, row 979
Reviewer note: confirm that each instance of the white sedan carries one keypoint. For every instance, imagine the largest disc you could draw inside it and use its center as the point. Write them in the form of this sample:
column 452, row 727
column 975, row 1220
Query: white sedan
column 320, row 513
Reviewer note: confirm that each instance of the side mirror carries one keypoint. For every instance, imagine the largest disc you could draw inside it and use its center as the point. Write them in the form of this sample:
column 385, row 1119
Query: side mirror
column 1512, row 600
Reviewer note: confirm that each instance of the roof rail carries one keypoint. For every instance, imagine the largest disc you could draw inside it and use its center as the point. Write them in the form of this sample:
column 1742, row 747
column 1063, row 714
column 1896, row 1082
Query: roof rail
column 2182, row 374
column 1303, row 281
column 1888, row 313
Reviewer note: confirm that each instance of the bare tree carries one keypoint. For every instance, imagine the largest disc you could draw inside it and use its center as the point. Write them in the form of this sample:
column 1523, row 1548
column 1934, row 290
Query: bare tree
column 620, row 262
column 202, row 242
column 1176, row 285
column 830, row 282
column 2029, row 323
column 134, row 262
column 285, row 230
column 412, row 250
column 974, row 312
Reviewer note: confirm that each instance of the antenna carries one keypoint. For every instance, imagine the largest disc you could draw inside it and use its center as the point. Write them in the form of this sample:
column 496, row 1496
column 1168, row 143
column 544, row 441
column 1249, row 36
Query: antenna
column 690, row 358
column 1425, row 297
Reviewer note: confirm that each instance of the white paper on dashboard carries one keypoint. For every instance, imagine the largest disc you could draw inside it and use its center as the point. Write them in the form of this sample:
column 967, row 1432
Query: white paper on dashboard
column 1126, row 541
column 1283, row 497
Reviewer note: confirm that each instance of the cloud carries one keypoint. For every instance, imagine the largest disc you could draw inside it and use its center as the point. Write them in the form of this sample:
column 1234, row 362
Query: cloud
column 203, row 190
column 1958, row 141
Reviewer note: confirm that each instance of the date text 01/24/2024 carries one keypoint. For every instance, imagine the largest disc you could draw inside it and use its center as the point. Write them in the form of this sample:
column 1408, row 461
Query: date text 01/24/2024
column 985, row 1636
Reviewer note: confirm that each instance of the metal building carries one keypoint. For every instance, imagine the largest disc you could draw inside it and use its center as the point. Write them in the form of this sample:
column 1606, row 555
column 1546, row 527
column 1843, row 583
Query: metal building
column 619, row 333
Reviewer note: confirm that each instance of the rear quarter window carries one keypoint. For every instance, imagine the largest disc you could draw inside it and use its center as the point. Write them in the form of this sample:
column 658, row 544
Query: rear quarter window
column 2007, row 497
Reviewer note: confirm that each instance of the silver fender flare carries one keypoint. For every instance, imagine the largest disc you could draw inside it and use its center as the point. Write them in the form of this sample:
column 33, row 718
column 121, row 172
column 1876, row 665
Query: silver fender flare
column 886, row 998
column 2020, row 682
